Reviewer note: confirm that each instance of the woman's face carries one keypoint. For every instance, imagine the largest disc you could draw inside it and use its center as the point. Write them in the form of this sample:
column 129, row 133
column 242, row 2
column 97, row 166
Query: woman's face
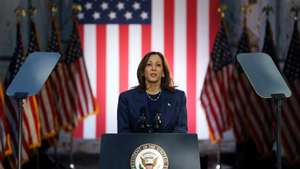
column 154, row 69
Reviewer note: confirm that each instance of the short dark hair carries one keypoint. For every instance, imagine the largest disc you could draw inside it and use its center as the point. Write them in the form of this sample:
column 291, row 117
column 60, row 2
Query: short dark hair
column 166, row 81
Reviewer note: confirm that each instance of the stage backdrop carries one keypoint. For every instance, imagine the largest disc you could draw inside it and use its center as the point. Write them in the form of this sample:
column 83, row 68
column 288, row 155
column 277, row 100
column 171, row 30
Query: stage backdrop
column 181, row 29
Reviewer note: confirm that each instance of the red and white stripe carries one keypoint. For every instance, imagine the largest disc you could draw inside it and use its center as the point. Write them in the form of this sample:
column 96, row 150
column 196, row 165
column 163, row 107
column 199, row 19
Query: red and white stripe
column 179, row 29
column 290, row 125
column 6, row 147
column 10, row 110
column 236, row 106
column 31, row 124
column 31, row 121
column 47, row 110
column 215, row 101
column 64, row 101
column 3, row 133
column 85, row 100
column 251, row 114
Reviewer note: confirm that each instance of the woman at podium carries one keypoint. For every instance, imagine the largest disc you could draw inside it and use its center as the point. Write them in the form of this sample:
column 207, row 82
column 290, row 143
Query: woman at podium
column 154, row 105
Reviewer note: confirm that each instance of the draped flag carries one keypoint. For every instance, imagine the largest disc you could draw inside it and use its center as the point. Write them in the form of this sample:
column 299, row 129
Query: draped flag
column 3, row 130
column 64, row 100
column 251, row 115
column 63, row 90
column 50, row 98
column 116, row 34
column 237, row 95
column 46, row 97
column 10, row 105
column 214, row 96
column 31, row 106
column 77, row 72
column 269, row 46
column 290, row 125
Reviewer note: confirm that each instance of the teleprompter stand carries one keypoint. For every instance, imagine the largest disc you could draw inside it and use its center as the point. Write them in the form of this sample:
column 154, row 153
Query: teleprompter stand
column 267, row 82
column 27, row 82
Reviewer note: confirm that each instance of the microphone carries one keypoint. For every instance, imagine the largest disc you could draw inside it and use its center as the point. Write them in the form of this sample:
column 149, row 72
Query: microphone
column 158, row 122
column 143, row 120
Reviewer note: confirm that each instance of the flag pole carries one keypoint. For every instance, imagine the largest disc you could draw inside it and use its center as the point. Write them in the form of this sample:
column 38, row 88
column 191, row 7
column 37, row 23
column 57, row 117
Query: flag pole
column 72, row 165
column 53, row 12
column 76, row 8
column 31, row 12
column 278, row 30
column 219, row 165
column 37, row 158
column 277, row 106
column 221, row 10
column 19, row 98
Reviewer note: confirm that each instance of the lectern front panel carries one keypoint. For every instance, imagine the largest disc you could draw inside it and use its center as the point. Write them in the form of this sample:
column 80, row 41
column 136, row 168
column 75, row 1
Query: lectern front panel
column 118, row 150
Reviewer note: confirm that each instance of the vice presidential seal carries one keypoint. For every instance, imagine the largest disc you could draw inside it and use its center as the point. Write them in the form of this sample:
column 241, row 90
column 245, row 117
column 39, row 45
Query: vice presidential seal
column 149, row 156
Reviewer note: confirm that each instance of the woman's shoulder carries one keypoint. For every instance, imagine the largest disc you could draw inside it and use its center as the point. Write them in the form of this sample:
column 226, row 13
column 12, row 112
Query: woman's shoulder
column 179, row 91
column 176, row 92
column 130, row 92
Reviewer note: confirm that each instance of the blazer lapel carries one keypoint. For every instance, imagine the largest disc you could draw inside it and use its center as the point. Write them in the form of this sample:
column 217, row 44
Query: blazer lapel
column 167, row 104
column 140, row 101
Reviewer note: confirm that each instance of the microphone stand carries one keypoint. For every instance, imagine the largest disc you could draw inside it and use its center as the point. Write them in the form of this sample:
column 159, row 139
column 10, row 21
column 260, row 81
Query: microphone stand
column 277, row 106
column 19, row 98
column 157, row 120
column 144, row 127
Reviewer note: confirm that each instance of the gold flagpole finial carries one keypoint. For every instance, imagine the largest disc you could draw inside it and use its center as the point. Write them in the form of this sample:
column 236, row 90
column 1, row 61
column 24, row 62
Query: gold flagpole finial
column 20, row 12
column 54, row 9
column 32, row 11
column 245, row 9
column 77, row 8
column 222, row 9
column 268, row 9
column 295, row 10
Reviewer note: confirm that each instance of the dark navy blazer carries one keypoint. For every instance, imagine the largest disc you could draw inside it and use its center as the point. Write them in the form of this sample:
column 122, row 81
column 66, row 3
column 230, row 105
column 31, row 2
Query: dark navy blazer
column 172, row 109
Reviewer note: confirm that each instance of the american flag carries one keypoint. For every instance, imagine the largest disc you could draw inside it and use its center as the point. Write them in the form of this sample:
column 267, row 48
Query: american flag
column 3, row 129
column 237, row 95
column 269, row 46
column 115, row 36
column 31, row 106
column 77, row 71
column 10, row 105
column 290, row 125
column 6, row 147
column 268, row 116
column 214, row 96
column 46, row 97
column 65, row 101
column 251, row 115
